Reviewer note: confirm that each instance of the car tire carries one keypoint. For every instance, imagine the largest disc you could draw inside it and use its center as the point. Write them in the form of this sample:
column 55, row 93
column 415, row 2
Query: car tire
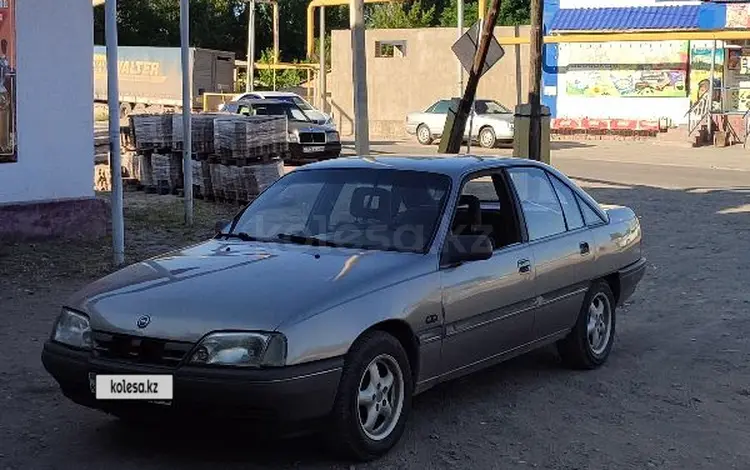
column 588, row 345
column 487, row 138
column 424, row 135
column 376, row 360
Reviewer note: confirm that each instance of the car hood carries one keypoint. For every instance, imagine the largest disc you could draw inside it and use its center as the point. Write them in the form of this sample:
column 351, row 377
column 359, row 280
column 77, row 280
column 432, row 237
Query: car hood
column 308, row 127
column 231, row 285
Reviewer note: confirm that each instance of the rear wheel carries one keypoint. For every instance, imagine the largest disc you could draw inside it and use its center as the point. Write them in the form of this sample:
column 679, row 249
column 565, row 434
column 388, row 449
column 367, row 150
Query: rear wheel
column 374, row 398
column 487, row 138
column 424, row 135
column 589, row 343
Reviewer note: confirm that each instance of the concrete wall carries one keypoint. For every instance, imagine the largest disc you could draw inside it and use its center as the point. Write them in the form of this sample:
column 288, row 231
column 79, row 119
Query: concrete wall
column 55, row 115
column 428, row 72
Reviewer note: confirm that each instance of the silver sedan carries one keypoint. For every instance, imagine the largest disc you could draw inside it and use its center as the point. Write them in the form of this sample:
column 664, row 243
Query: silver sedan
column 491, row 123
column 350, row 286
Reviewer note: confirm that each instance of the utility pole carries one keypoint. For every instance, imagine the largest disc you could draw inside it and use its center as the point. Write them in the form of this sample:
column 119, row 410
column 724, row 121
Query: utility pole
column 187, row 108
column 359, row 77
column 115, row 163
column 460, row 32
column 322, row 69
column 536, row 43
column 456, row 131
column 275, row 40
column 250, row 45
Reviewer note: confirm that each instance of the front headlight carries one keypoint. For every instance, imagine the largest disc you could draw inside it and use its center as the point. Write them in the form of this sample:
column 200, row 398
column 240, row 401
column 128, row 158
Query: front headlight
column 332, row 136
column 241, row 350
column 72, row 329
column 292, row 138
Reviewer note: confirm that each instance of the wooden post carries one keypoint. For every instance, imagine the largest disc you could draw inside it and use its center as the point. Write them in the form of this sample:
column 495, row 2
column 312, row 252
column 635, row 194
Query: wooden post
column 536, row 44
column 455, row 130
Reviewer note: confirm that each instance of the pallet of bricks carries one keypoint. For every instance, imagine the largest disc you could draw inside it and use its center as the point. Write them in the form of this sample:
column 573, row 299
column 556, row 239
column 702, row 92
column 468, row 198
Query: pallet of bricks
column 249, row 152
column 202, row 140
column 158, row 165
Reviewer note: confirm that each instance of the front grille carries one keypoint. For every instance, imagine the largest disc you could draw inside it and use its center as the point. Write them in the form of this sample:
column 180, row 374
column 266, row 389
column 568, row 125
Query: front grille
column 312, row 138
column 139, row 350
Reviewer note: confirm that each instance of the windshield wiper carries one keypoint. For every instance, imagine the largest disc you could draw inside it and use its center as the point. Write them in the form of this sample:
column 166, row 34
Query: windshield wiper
column 304, row 240
column 245, row 237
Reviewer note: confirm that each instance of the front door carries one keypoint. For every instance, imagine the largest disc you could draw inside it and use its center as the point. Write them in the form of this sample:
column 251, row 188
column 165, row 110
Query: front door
column 488, row 305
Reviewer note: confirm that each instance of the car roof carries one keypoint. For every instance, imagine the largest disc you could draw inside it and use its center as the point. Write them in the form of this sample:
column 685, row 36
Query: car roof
column 274, row 94
column 453, row 166
column 259, row 101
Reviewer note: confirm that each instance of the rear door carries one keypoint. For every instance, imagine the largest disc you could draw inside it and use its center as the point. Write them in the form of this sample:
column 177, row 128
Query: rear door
column 562, row 248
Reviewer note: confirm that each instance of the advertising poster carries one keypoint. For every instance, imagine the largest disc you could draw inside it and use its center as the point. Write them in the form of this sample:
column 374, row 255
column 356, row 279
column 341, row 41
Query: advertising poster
column 738, row 16
column 7, row 81
column 627, row 69
column 700, row 70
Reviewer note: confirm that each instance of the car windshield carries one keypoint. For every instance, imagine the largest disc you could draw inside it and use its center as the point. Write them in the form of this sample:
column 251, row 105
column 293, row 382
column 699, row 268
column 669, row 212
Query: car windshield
column 378, row 209
column 490, row 107
column 288, row 109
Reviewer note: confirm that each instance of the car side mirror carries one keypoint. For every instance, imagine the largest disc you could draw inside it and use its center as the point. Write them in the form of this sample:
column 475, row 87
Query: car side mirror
column 221, row 225
column 463, row 248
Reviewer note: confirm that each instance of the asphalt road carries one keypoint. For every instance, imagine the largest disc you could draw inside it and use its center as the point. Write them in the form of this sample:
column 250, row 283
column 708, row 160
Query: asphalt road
column 674, row 395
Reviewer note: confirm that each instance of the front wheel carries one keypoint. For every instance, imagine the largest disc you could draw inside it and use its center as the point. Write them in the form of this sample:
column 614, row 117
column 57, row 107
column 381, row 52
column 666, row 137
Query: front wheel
column 374, row 398
column 487, row 138
column 424, row 135
column 588, row 345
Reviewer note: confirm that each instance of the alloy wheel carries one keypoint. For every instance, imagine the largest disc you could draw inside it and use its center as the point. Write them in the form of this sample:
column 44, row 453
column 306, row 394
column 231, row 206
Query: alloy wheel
column 380, row 398
column 599, row 325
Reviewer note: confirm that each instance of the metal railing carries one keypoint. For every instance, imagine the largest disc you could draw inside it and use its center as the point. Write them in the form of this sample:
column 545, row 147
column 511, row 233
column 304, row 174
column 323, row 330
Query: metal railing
column 700, row 111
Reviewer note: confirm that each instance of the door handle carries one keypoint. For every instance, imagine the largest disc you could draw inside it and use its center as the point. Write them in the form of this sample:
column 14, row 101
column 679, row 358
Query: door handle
column 524, row 266
column 584, row 248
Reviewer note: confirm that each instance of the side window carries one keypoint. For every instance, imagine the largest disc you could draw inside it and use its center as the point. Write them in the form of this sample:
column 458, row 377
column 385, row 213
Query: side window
column 441, row 107
column 569, row 205
column 244, row 110
column 541, row 209
column 589, row 215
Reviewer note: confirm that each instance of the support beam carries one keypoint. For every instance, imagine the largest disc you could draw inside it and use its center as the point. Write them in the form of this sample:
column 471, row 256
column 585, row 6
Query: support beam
column 459, row 33
column 633, row 36
column 535, row 79
column 115, row 162
column 322, row 70
column 359, row 77
column 275, row 39
column 311, row 17
column 187, row 108
column 250, row 45
column 457, row 128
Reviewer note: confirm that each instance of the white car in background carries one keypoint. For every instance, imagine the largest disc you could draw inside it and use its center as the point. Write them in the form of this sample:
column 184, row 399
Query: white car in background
column 318, row 117
column 492, row 123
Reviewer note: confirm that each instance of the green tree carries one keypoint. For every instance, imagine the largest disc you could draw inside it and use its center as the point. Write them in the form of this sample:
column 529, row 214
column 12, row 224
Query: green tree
column 449, row 16
column 397, row 15
column 284, row 78
column 512, row 12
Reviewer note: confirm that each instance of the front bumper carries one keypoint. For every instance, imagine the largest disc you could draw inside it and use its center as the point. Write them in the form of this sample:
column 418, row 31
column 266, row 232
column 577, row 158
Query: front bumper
column 291, row 394
column 325, row 151
column 630, row 276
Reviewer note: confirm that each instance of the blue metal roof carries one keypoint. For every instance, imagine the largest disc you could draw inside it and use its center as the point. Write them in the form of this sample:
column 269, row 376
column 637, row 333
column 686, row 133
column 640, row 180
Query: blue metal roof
column 627, row 19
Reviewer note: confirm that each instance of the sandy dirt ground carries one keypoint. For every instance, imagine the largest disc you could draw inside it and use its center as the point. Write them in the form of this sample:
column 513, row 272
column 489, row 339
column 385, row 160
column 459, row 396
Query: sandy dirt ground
column 675, row 393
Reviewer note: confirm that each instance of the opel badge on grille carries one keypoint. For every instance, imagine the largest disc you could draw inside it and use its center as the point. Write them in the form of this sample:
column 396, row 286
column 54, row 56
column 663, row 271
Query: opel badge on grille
column 143, row 321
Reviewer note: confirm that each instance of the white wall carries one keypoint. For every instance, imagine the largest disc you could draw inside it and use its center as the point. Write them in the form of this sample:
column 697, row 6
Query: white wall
column 54, row 103
column 674, row 108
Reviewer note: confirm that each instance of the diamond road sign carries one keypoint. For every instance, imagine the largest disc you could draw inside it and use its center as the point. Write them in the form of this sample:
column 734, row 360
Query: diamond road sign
column 466, row 47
